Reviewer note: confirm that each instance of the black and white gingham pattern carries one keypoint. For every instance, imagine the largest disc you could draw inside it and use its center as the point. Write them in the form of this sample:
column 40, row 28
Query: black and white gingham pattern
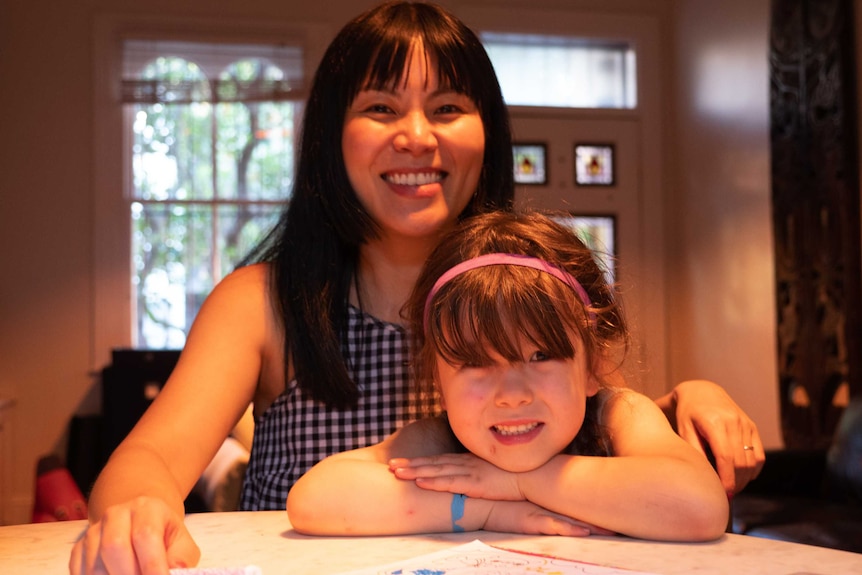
column 297, row 432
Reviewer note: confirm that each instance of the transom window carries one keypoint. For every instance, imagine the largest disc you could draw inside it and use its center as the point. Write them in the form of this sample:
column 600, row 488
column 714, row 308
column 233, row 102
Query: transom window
column 556, row 71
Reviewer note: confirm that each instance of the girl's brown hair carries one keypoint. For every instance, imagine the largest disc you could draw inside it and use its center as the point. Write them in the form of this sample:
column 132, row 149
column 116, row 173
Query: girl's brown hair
column 491, row 308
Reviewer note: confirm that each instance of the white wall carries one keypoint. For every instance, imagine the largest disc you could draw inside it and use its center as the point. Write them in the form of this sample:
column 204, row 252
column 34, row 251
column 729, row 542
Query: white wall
column 720, row 279
column 721, row 275
column 45, row 227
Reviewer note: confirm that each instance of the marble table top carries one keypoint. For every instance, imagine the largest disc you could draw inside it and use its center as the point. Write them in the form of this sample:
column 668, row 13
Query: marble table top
column 266, row 539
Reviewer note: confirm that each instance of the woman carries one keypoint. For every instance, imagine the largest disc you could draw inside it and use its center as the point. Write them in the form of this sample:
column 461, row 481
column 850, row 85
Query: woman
column 397, row 144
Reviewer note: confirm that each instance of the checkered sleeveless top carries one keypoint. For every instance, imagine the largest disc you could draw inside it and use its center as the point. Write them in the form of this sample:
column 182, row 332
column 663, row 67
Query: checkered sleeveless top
column 296, row 432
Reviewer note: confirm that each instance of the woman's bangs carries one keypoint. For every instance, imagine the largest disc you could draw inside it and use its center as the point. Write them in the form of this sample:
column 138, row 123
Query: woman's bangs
column 388, row 62
column 449, row 59
column 390, row 51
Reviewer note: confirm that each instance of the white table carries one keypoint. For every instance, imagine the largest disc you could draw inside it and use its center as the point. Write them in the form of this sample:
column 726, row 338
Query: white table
column 266, row 539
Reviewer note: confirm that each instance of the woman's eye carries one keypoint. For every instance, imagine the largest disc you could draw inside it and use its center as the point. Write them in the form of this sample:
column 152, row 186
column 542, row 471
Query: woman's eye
column 378, row 109
column 449, row 109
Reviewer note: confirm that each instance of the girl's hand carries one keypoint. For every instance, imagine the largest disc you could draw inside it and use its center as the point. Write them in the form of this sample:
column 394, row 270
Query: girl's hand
column 141, row 536
column 704, row 412
column 530, row 519
column 459, row 473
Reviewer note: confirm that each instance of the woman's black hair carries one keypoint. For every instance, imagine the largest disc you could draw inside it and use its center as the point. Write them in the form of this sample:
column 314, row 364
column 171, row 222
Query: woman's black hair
column 314, row 248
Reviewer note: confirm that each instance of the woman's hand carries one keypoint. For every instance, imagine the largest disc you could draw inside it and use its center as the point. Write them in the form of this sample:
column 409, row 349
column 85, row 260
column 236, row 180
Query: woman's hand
column 459, row 473
column 702, row 411
column 141, row 536
column 530, row 519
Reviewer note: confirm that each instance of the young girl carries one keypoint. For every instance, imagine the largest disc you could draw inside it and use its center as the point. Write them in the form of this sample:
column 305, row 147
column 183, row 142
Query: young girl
column 519, row 335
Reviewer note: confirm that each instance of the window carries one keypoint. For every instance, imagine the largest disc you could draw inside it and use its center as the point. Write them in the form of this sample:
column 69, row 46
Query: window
column 210, row 131
column 556, row 71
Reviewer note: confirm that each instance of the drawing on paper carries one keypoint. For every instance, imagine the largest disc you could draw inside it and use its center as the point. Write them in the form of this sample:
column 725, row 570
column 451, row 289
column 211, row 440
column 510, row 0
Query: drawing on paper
column 477, row 558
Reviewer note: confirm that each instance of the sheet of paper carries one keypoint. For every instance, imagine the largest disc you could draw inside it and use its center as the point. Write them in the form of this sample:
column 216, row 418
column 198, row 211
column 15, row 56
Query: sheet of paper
column 478, row 558
column 247, row 570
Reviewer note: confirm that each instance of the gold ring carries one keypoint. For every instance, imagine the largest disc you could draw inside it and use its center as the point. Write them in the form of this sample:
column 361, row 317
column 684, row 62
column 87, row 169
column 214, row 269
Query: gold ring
column 747, row 447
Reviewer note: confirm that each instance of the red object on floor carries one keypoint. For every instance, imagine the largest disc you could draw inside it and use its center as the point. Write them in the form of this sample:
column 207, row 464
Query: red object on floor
column 57, row 495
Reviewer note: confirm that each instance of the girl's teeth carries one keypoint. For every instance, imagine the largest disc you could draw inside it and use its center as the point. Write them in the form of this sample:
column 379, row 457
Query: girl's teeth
column 515, row 429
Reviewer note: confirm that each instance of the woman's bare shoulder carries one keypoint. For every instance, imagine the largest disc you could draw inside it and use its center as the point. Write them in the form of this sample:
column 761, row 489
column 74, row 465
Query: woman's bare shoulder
column 616, row 397
column 242, row 294
column 255, row 276
column 239, row 301
column 237, row 330
column 623, row 408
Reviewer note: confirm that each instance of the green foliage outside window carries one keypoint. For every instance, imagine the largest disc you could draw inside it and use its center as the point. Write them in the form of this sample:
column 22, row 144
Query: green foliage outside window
column 211, row 170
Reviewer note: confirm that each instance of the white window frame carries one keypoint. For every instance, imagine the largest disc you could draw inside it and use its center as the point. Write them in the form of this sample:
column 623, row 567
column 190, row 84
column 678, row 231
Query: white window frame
column 112, row 257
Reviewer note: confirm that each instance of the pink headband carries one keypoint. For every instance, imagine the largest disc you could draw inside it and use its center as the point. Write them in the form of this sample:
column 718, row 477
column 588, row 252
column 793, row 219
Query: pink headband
column 509, row 260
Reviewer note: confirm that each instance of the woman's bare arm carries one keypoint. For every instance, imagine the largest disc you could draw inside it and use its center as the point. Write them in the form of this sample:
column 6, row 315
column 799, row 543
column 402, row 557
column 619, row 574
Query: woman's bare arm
column 136, row 506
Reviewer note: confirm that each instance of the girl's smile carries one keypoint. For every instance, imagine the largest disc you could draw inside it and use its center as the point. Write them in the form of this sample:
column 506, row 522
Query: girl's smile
column 517, row 434
column 517, row 415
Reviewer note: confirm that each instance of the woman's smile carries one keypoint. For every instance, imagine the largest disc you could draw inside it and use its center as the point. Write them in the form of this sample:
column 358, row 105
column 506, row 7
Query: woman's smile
column 414, row 178
column 416, row 184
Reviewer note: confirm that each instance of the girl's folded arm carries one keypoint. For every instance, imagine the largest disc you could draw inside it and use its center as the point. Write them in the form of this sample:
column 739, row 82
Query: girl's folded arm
column 655, row 486
column 355, row 493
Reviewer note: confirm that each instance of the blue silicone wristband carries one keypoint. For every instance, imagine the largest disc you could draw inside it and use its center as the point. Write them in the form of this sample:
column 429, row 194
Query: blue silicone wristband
column 457, row 510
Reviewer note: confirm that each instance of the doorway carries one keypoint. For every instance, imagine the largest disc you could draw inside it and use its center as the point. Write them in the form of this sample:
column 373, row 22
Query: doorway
column 639, row 258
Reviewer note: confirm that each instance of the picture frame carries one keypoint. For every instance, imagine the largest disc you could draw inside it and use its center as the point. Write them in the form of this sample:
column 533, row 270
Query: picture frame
column 595, row 164
column 599, row 233
column 531, row 163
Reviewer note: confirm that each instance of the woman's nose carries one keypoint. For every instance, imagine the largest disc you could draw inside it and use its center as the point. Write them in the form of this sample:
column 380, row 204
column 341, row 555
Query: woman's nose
column 415, row 134
column 513, row 388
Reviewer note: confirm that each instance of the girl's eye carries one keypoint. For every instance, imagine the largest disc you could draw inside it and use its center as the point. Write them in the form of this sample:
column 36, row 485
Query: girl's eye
column 471, row 365
column 474, row 364
column 540, row 356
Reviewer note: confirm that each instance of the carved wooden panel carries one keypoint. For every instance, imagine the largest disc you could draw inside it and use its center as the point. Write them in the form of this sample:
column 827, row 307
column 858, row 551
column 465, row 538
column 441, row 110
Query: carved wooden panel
column 815, row 194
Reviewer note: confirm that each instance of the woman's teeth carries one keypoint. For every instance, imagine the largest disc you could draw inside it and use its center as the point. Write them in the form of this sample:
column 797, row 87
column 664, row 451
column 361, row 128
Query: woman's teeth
column 414, row 179
column 515, row 429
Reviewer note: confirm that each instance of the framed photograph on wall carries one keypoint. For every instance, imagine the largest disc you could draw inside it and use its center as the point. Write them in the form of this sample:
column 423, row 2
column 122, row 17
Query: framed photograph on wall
column 594, row 164
column 531, row 163
column 599, row 233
